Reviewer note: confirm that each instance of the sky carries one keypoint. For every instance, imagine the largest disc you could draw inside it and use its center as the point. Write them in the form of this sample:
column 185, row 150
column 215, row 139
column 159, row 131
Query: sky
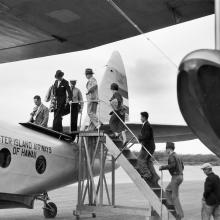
column 151, row 76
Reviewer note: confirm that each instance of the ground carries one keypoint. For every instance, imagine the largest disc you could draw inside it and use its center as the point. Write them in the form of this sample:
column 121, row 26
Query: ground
column 127, row 194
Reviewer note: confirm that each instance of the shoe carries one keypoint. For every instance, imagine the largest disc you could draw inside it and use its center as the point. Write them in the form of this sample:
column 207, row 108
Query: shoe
column 124, row 144
column 112, row 135
column 178, row 217
column 169, row 206
column 101, row 126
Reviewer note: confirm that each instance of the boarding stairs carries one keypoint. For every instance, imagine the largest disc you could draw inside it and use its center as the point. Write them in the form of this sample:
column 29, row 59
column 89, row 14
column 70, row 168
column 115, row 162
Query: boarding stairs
column 153, row 193
column 128, row 161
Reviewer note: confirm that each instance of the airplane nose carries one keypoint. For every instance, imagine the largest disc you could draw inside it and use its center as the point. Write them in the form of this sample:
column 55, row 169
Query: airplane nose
column 198, row 92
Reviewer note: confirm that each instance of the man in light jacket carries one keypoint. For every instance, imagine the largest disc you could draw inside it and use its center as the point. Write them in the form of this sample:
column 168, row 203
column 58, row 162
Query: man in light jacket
column 92, row 98
column 40, row 114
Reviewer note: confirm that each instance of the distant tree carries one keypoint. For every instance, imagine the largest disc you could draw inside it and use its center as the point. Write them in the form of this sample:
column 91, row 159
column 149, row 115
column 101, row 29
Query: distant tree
column 188, row 159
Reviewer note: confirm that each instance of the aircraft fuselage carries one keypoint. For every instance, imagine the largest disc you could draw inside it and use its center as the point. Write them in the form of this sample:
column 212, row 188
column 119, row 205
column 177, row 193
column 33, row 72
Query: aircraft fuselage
column 38, row 162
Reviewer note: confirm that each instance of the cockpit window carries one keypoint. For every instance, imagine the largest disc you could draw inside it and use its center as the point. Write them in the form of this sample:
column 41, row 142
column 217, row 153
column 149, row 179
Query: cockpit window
column 5, row 157
column 41, row 164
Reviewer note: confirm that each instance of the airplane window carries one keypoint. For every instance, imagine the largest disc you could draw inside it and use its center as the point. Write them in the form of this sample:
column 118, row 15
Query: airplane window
column 41, row 164
column 5, row 158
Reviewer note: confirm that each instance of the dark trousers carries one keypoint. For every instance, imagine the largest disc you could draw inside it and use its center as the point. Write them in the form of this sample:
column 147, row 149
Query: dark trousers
column 58, row 113
column 115, row 123
column 146, row 167
column 74, row 116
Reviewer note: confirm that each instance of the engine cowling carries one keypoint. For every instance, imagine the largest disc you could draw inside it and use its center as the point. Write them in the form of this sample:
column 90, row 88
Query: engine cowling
column 198, row 91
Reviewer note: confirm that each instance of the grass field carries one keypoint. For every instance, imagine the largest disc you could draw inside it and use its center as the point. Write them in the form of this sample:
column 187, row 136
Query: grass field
column 127, row 194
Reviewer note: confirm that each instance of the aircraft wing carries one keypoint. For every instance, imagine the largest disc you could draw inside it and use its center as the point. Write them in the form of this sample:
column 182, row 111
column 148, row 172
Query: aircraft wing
column 164, row 133
column 37, row 28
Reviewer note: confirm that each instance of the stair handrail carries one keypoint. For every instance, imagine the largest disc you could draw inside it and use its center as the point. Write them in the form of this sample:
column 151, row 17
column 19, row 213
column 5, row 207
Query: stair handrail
column 109, row 105
column 138, row 142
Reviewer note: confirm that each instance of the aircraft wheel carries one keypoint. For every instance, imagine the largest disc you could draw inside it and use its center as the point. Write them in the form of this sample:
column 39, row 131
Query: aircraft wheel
column 50, row 211
column 76, row 214
column 93, row 215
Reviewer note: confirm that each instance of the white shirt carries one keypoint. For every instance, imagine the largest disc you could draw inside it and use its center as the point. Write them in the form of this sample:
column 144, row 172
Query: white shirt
column 77, row 96
column 58, row 84
column 144, row 123
column 37, row 111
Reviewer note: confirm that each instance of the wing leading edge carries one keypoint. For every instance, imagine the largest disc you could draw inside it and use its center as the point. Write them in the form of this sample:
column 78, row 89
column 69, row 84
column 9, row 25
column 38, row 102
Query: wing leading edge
column 164, row 133
column 31, row 29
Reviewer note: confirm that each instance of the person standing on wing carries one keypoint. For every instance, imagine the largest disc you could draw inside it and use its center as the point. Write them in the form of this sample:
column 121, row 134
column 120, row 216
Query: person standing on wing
column 76, row 105
column 61, row 89
column 92, row 98
column 40, row 114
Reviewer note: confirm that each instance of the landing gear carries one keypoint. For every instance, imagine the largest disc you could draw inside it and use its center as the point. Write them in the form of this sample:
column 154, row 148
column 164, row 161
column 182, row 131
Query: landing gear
column 76, row 214
column 49, row 209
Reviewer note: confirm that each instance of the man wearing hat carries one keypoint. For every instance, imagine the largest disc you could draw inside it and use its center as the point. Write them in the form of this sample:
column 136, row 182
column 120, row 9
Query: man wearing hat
column 61, row 89
column 92, row 98
column 175, row 167
column 211, row 195
column 76, row 105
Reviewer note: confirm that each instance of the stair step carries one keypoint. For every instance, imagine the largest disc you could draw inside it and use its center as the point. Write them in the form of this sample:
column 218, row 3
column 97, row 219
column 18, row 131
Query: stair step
column 127, row 150
column 116, row 140
column 129, row 155
column 156, row 189
column 133, row 161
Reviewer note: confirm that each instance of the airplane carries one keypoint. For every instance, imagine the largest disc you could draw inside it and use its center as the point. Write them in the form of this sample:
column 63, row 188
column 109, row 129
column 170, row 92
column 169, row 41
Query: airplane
column 31, row 29
column 52, row 157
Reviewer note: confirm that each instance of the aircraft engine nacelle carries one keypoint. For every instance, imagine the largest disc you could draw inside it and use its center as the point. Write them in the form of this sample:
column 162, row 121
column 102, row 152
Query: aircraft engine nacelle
column 198, row 89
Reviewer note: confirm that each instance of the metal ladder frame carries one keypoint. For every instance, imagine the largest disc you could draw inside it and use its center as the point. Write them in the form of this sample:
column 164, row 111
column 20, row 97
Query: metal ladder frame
column 90, row 199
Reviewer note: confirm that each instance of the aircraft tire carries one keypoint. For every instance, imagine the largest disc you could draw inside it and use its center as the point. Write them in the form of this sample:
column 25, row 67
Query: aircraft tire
column 50, row 211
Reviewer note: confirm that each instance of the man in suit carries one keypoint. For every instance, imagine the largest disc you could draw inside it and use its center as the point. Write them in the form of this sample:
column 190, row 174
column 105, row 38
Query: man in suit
column 40, row 114
column 61, row 89
column 175, row 167
column 76, row 105
column 92, row 98
column 211, row 195
column 145, row 164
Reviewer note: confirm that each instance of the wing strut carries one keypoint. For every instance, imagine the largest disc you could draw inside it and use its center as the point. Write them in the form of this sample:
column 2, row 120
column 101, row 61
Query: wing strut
column 140, row 31
column 217, row 24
